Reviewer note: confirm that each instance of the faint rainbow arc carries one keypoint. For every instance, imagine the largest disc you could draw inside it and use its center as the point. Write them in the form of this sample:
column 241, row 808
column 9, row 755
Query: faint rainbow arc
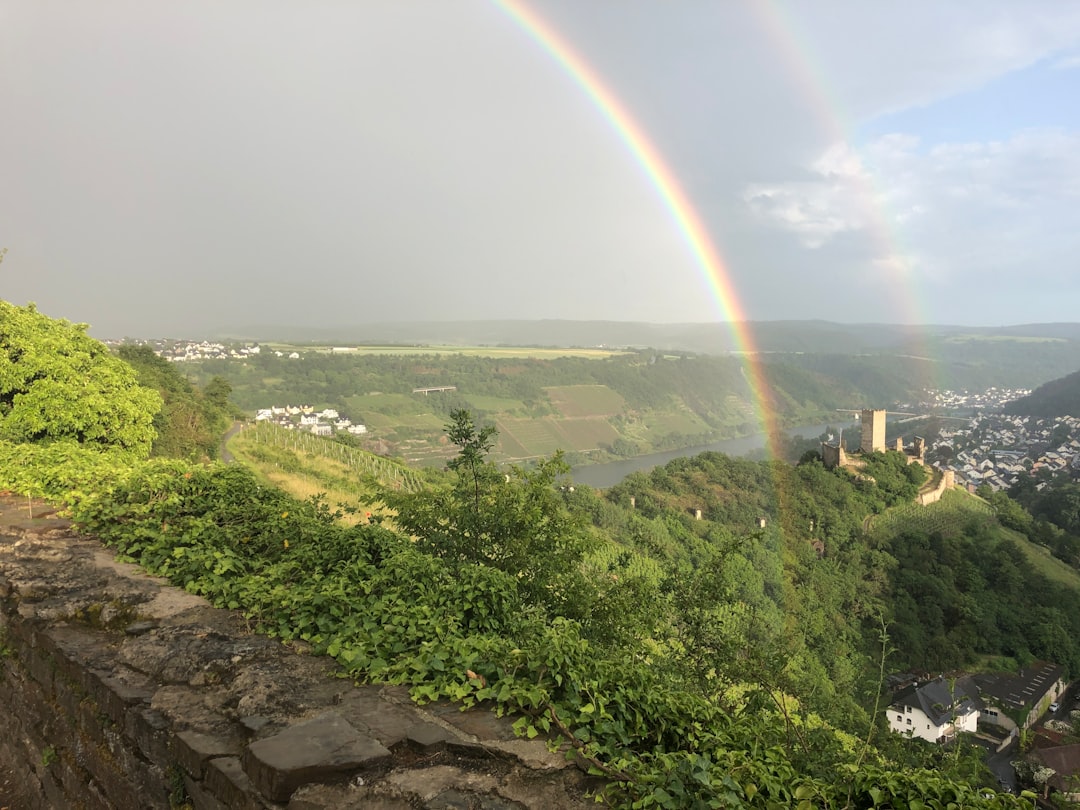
column 670, row 191
column 806, row 73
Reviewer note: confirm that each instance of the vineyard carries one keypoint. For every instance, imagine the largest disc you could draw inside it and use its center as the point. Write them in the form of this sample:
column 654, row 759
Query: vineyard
column 951, row 515
column 304, row 464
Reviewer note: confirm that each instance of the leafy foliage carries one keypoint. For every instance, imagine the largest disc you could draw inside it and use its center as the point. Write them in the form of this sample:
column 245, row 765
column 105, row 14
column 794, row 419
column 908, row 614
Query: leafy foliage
column 58, row 384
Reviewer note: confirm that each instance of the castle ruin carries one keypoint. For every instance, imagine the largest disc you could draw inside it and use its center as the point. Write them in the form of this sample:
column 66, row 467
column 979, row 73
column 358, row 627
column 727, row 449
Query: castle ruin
column 871, row 440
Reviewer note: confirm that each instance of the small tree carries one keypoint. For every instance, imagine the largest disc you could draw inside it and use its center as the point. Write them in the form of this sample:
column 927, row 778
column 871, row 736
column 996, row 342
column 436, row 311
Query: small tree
column 512, row 520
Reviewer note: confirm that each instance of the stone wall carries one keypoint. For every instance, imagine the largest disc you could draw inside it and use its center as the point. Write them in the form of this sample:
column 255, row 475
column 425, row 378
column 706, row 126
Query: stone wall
column 946, row 480
column 124, row 692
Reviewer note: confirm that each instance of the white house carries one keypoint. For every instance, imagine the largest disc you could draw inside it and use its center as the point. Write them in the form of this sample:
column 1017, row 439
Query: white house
column 935, row 711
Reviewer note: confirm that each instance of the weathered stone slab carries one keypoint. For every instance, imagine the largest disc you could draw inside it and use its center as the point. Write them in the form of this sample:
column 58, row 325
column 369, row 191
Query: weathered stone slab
column 307, row 752
column 227, row 782
column 193, row 750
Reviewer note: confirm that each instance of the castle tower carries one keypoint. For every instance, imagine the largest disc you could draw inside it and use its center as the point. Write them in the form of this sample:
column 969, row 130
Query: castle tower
column 873, row 430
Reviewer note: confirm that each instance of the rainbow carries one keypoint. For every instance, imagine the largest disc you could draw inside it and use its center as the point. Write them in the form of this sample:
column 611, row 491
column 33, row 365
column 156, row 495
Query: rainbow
column 713, row 269
column 808, row 75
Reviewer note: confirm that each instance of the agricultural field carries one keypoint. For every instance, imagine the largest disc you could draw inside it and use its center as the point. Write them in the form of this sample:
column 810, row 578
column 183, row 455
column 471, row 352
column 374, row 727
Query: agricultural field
column 495, row 404
column 1003, row 339
column 659, row 424
column 542, row 353
column 528, row 438
column 585, row 400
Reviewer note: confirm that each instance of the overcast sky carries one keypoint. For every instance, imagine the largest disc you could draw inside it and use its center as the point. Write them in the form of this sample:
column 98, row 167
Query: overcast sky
column 177, row 168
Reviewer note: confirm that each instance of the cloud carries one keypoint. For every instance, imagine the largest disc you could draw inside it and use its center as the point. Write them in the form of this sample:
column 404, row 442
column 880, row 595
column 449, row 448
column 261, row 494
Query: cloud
column 1067, row 62
column 953, row 209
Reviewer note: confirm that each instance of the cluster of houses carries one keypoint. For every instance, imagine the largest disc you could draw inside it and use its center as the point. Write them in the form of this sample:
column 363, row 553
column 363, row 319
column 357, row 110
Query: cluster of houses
column 180, row 351
column 997, row 450
column 948, row 400
column 937, row 710
column 304, row 417
column 996, row 707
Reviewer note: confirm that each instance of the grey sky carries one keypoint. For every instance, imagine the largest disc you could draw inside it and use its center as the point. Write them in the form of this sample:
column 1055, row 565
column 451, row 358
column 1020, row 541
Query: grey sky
column 176, row 168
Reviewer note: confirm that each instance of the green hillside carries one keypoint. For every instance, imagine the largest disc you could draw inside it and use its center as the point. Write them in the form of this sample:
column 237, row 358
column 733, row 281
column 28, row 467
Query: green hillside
column 592, row 408
column 1060, row 397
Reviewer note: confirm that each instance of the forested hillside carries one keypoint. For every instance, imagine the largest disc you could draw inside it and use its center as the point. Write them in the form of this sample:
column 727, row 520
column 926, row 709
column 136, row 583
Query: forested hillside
column 1060, row 397
column 191, row 421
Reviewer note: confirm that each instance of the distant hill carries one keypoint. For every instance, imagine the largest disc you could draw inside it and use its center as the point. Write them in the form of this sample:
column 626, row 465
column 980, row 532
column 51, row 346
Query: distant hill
column 1059, row 397
column 704, row 338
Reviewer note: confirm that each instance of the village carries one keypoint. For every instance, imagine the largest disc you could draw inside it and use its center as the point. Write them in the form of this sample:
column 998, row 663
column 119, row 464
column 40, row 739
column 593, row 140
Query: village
column 997, row 450
column 304, row 417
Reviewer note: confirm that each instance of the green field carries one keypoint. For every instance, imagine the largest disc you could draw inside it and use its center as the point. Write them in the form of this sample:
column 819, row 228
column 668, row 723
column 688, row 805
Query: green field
column 1003, row 339
column 529, row 437
column 495, row 404
column 585, row 400
column 662, row 423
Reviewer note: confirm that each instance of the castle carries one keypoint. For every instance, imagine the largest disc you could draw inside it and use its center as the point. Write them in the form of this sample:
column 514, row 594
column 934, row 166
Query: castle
column 872, row 440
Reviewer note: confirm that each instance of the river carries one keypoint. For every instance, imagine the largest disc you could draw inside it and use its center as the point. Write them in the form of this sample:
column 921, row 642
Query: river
column 606, row 475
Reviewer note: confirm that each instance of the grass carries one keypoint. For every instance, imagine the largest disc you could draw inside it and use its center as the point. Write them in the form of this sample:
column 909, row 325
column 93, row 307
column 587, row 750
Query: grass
column 495, row 404
column 1003, row 339
column 662, row 423
column 1043, row 561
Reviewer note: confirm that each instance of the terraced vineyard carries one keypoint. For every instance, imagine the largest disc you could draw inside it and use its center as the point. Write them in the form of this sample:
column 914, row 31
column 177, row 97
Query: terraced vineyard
column 304, row 465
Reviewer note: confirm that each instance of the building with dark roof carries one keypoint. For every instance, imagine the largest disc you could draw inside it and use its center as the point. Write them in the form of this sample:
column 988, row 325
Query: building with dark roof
column 1018, row 700
column 935, row 711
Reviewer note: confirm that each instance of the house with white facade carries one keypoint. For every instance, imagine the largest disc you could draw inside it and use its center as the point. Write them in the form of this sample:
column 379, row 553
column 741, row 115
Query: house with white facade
column 935, row 711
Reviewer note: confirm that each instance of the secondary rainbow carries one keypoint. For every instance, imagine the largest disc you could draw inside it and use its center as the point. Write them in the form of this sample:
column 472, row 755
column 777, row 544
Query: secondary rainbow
column 667, row 186
column 806, row 72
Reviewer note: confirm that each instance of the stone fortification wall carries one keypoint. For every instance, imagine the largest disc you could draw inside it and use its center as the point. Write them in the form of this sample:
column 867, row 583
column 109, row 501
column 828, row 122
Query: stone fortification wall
column 947, row 480
column 120, row 691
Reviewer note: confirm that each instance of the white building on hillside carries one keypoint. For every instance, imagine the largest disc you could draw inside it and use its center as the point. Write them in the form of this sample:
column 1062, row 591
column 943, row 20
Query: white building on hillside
column 935, row 711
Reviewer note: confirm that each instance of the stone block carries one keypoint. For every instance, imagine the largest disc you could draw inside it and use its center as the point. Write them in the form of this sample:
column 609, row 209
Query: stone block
column 116, row 692
column 227, row 782
column 42, row 669
column 193, row 750
column 199, row 797
column 323, row 748
column 150, row 731
column 427, row 737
